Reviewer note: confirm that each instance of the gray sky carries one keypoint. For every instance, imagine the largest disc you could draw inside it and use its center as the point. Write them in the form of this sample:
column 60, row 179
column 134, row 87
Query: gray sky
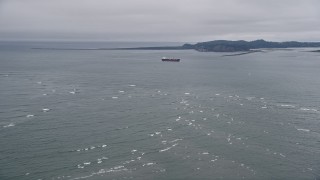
column 160, row 20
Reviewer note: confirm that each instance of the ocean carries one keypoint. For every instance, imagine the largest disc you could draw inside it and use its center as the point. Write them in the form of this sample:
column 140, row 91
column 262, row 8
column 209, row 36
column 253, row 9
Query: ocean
column 125, row 114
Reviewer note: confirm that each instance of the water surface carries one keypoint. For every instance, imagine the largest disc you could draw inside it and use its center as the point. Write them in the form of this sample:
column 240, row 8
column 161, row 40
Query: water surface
column 69, row 114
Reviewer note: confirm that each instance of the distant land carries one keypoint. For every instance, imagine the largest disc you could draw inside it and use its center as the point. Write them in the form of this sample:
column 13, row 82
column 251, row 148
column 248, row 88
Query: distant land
column 218, row 46
column 233, row 46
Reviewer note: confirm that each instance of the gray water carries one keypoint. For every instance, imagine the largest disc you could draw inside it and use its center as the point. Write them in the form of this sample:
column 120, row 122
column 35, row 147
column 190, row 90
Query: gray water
column 71, row 114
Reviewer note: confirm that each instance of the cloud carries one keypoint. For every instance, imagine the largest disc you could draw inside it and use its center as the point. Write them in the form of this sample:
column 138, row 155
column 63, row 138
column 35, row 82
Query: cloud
column 165, row 20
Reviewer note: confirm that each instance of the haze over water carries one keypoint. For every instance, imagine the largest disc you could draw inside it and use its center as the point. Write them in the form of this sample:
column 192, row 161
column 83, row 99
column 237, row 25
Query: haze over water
column 90, row 114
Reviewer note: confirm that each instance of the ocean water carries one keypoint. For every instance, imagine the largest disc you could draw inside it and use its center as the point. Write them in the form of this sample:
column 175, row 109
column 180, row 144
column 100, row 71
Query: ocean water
column 93, row 114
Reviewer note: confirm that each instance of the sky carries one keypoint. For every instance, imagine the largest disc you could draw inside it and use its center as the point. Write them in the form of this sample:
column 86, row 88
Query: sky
column 160, row 20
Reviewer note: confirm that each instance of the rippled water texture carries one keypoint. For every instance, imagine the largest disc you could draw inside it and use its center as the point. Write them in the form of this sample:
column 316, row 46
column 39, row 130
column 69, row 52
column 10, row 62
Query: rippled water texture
column 71, row 114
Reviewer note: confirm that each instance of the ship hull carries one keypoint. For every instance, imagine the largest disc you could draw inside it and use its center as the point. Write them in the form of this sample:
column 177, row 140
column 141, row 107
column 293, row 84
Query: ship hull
column 171, row 60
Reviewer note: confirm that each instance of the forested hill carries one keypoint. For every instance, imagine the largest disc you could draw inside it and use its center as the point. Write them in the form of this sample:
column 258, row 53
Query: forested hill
column 233, row 46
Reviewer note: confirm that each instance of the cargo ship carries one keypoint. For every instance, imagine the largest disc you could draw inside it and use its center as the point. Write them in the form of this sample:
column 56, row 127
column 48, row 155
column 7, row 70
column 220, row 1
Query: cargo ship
column 170, row 59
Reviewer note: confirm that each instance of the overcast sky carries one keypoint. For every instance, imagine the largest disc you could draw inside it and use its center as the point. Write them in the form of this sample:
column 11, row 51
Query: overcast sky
column 160, row 20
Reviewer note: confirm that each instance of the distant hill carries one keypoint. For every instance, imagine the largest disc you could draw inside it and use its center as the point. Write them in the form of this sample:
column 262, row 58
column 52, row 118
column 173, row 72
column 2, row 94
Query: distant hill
column 234, row 46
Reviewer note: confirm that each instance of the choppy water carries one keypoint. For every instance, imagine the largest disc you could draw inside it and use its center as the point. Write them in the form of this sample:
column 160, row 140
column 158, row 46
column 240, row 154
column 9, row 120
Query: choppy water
column 126, row 115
